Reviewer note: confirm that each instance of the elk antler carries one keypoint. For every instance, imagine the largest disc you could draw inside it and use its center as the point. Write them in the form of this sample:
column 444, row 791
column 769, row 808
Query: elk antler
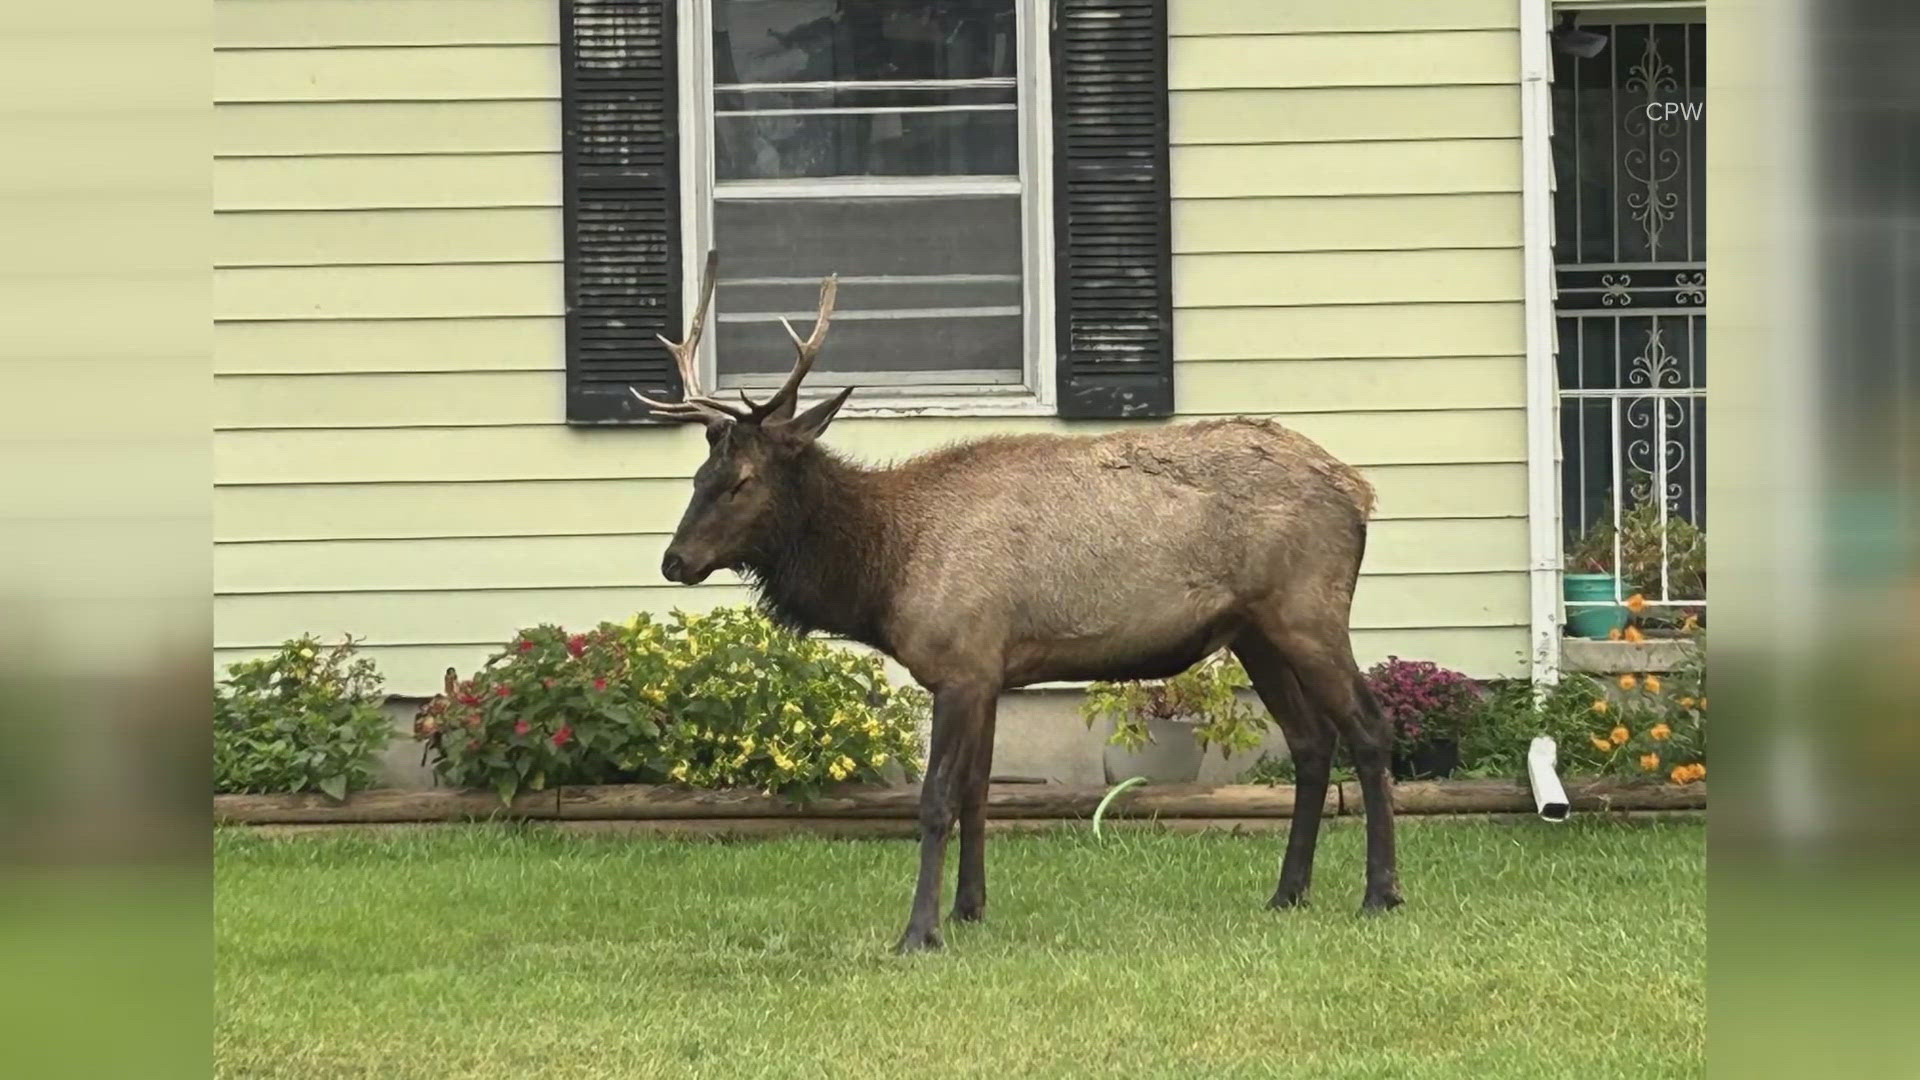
column 781, row 403
column 694, row 404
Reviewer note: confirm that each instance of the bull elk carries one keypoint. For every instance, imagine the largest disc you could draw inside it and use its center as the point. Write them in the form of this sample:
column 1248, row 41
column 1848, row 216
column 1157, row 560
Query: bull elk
column 1018, row 559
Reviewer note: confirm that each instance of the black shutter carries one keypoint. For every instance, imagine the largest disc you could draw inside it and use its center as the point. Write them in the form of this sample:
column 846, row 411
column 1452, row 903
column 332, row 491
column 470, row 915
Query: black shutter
column 1112, row 208
column 619, row 117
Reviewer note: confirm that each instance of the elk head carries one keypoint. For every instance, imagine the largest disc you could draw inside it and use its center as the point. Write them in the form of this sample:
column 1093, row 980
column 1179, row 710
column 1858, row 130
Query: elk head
column 747, row 485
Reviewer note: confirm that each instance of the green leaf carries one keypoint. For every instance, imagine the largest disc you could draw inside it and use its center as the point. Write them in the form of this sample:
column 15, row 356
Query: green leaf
column 507, row 787
column 335, row 787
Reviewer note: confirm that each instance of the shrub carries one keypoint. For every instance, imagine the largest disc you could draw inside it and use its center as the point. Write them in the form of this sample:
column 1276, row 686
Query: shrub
column 306, row 718
column 1424, row 701
column 550, row 708
column 718, row 700
column 1650, row 727
column 1205, row 693
column 756, row 705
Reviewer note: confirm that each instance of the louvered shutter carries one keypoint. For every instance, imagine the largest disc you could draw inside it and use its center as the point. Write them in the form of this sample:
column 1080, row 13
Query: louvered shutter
column 1112, row 208
column 619, row 109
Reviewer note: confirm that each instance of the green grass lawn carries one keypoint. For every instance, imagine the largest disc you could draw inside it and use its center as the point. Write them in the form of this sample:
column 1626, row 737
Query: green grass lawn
column 1524, row 950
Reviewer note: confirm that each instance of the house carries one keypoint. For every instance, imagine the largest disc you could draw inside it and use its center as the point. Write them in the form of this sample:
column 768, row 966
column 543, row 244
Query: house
column 1415, row 230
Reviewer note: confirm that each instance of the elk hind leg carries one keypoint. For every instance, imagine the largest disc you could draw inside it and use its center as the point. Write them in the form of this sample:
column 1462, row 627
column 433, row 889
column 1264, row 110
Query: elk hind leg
column 1310, row 743
column 1316, row 646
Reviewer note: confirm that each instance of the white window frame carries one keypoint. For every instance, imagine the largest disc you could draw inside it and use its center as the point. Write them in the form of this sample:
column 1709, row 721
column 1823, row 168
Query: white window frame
column 916, row 393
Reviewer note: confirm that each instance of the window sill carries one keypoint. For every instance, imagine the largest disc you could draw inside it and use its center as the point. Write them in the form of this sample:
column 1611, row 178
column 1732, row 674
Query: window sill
column 892, row 406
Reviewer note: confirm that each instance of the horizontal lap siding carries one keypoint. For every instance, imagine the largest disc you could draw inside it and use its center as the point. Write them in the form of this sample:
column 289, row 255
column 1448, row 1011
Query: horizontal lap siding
column 390, row 455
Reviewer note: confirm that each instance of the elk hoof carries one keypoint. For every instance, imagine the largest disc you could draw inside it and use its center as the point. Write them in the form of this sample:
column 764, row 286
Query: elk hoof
column 1288, row 898
column 917, row 942
column 1381, row 902
column 967, row 913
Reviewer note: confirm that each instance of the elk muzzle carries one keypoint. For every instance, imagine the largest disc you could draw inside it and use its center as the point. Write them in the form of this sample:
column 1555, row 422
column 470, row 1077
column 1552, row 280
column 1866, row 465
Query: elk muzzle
column 675, row 567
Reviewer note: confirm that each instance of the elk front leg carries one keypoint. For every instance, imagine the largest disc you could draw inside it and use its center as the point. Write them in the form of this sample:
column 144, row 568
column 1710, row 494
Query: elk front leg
column 970, row 894
column 958, row 715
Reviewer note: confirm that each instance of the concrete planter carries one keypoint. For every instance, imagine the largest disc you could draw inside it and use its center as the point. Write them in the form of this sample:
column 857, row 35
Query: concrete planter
column 1172, row 757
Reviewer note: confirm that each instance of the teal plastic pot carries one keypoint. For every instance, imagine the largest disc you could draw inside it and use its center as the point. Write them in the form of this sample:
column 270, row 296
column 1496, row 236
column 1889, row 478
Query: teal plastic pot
column 1592, row 622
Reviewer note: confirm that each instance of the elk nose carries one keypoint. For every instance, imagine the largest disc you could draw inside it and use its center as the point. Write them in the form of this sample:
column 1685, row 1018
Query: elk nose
column 672, row 567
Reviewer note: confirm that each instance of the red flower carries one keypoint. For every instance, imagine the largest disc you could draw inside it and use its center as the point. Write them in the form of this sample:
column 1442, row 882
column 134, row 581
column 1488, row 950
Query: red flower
column 548, row 683
column 469, row 699
column 474, row 721
column 577, row 644
column 503, row 690
column 521, row 727
column 563, row 736
column 599, row 684
column 526, row 645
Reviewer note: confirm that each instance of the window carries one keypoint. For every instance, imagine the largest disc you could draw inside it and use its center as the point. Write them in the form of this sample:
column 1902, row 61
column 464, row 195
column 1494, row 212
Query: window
column 989, row 179
column 888, row 143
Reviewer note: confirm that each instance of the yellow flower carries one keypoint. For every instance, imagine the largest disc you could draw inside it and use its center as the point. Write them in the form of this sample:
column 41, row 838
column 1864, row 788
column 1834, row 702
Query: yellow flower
column 1601, row 744
column 1620, row 735
column 679, row 772
column 879, row 760
column 1628, row 682
column 799, row 727
column 1652, row 684
column 1650, row 762
column 1633, row 634
column 836, row 771
column 1600, row 706
column 747, row 744
column 1636, row 603
column 1659, row 732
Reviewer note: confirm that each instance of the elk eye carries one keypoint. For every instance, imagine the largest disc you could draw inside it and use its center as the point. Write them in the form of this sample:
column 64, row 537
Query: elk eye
column 737, row 485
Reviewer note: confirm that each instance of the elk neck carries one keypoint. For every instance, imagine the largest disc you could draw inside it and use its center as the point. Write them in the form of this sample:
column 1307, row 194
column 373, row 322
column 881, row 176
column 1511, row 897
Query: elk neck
column 833, row 563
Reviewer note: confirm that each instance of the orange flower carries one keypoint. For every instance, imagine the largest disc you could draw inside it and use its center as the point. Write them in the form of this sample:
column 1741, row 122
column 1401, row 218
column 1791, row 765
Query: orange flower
column 1686, row 702
column 1703, row 703
column 1650, row 762
column 1601, row 744
column 1628, row 682
column 1652, row 684
column 1620, row 735
column 1613, row 634
column 1633, row 634
column 1689, row 624
column 1600, row 706
column 1700, row 770
column 1636, row 603
column 1680, row 774
column 1659, row 732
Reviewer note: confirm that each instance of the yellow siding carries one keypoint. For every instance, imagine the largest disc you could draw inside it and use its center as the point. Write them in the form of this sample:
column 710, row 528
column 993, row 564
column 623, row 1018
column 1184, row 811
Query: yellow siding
column 391, row 457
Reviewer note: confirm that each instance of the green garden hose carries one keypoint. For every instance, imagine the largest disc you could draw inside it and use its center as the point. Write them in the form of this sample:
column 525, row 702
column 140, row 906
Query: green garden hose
column 1100, row 810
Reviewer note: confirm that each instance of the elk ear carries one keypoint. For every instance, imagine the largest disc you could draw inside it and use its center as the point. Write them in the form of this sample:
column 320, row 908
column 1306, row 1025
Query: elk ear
column 809, row 425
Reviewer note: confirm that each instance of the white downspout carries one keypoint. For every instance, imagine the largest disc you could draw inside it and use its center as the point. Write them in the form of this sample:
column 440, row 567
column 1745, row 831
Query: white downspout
column 1549, row 797
column 1543, row 422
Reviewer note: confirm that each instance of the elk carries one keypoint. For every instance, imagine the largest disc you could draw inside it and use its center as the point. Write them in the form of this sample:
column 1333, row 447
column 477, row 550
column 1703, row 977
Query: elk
column 1017, row 559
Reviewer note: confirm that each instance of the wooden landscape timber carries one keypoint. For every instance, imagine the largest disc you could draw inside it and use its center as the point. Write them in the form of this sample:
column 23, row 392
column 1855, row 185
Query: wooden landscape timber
column 1039, row 803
